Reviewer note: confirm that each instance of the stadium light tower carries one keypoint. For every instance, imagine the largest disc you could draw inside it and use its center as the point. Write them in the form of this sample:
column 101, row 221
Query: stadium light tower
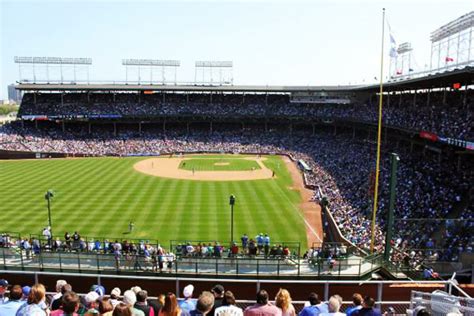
column 231, row 203
column 404, row 55
column 65, row 63
column 152, row 63
column 207, row 68
column 452, row 44
column 48, row 196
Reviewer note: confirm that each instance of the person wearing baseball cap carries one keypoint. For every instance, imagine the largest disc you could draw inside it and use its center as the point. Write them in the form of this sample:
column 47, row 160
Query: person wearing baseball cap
column 115, row 296
column 35, row 304
column 26, row 291
column 218, row 291
column 92, row 303
column 3, row 289
column 188, row 304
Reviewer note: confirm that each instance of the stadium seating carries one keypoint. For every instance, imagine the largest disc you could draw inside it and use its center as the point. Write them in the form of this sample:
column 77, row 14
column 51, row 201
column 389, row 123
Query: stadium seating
column 448, row 117
column 428, row 187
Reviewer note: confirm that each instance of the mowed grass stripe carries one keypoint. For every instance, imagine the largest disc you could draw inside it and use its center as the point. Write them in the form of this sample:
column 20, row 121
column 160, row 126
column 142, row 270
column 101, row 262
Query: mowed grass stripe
column 185, row 205
column 167, row 211
column 36, row 215
column 95, row 201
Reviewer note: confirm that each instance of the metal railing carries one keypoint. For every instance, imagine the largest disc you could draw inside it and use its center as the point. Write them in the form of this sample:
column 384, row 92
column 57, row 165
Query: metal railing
column 441, row 303
column 326, row 288
column 16, row 258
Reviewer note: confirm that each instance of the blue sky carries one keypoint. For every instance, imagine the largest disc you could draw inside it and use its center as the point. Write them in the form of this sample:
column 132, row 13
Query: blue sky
column 270, row 42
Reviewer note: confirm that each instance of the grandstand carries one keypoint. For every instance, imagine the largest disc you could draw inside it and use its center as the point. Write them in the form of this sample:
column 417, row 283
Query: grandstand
column 66, row 120
column 330, row 129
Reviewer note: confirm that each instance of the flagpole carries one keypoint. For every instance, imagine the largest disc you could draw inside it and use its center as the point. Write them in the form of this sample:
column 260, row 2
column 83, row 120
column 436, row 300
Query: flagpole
column 379, row 137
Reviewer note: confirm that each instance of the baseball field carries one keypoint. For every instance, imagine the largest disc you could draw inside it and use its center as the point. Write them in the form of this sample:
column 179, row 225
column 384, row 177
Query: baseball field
column 179, row 198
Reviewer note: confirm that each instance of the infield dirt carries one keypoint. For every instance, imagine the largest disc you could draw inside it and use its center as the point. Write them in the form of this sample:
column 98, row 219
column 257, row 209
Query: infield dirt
column 169, row 168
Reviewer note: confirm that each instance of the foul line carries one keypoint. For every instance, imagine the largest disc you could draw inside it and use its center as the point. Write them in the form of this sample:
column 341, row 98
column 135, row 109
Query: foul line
column 299, row 213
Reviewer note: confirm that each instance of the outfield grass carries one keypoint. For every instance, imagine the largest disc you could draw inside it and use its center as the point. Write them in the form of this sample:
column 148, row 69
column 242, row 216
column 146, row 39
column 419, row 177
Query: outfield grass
column 99, row 196
column 219, row 164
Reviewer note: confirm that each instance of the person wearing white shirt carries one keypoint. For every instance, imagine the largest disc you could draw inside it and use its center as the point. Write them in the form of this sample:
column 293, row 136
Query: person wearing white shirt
column 334, row 304
column 59, row 286
column 228, row 306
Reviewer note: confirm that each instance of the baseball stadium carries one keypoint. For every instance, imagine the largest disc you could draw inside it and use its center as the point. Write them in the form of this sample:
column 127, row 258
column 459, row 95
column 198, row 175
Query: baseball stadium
column 157, row 184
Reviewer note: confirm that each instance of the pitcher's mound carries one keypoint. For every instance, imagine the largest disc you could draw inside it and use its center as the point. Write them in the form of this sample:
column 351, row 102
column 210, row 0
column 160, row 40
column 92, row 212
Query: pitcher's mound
column 169, row 168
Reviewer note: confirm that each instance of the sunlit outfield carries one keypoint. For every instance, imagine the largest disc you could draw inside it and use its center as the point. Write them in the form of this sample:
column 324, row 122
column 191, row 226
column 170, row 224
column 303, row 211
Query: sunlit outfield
column 99, row 196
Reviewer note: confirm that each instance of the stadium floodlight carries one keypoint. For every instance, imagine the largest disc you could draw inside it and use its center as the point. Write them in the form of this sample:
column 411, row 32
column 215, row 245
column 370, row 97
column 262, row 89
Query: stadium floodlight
column 63, row 62
column 451, row 44
column 174, row 64
column 211, row 63
column 208, row 68
column 460, row 24
column 404, row 48
column 53, row 60
column 151, row 62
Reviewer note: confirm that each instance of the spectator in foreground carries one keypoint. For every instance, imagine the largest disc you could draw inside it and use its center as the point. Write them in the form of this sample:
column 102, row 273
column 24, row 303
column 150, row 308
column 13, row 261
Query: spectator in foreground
column 188, row 304
column 357, row 299
column 56, row 304
column 228, row 306
column 142, row 304
column 69, row 305
column 283, row 301
column 59, row 286
column 334, row 304
column 315, row 306
column 170, row 308
column 122, row 309
column 26, row 291
column 157, row 304
column 218, row 291
column 204, row 304
column 115, row 296
column 92, row 304
column 105, row 306
column 3, row 289
column 368, row 308
column 10, row 307
column 263, row 307
column 35, row 304
column 130, row 299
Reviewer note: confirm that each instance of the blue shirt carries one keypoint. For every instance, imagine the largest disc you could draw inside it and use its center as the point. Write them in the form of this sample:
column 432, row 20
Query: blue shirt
column 351, row 310
column 30, row 310
column 310, row 311
column 188, row 305
column 267, row 241
column 9, row 308
column 323, row 307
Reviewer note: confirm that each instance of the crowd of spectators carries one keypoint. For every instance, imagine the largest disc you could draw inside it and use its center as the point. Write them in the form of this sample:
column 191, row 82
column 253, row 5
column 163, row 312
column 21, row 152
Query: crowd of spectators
column 447, row 116
column 34, row 300
column 144, row 254
column 428, row 188
column 342, row 167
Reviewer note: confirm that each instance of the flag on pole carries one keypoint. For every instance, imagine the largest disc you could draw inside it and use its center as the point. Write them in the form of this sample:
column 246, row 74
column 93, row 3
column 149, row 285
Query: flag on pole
column 448, row 59
column 393, row 43
column 410, row 70
column 399, row 72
